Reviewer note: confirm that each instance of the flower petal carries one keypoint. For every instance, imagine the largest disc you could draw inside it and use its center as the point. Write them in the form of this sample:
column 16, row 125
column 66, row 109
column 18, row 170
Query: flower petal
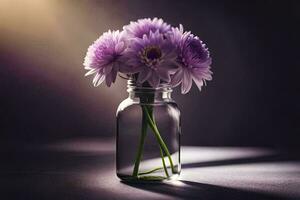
column 127, row 69
column 92, row 71
column 204, row 73
column 98, row 79
column 186, row 82
column 144, row 75
column 198, row 80
column 114, row 73
column 108, row 69
column 108, row 79
column 120, row 47
column 169, row 65
column 154, row 80
column 164, row 74
column 177, row 78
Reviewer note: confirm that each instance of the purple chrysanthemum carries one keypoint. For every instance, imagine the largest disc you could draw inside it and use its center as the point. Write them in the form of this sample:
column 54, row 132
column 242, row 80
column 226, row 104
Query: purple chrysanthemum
column 105, row 56
column 145, row 26
column 153, row 56
column 193, row 59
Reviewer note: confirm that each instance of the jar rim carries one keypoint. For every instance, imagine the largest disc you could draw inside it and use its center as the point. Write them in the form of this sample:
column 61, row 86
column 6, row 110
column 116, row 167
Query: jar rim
column 132, row 85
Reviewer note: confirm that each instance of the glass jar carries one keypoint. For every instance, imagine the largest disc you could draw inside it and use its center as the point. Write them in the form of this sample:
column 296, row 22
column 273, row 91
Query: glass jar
column 148, row 135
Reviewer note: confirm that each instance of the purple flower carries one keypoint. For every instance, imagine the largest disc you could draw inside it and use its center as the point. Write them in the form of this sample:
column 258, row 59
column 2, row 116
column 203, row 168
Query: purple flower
column 193, row 60
column 145, row 26
column 150, row 50
column 105, row 56
column 153, row 56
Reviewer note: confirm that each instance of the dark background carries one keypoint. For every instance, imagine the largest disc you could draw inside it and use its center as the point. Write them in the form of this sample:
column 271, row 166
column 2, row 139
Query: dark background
column 253, row 99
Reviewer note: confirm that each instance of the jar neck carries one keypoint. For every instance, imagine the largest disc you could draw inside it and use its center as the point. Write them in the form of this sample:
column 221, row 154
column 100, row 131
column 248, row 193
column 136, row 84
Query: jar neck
column 146, row 94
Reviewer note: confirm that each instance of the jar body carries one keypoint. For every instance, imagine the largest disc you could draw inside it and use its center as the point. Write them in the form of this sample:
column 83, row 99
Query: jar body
column 148, row 138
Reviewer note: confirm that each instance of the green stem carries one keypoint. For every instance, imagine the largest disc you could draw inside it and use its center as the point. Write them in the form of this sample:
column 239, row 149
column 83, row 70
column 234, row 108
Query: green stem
column 150, row 109
column 163, row 161
column 158, row 137
column 141, row 146
column 150, row 171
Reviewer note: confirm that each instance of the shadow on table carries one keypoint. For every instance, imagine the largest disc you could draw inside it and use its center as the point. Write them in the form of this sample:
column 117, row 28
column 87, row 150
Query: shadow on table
column 201, row 191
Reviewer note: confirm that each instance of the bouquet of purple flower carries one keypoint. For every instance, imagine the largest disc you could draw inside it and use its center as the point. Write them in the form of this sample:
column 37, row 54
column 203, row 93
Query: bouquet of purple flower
column 150, row 52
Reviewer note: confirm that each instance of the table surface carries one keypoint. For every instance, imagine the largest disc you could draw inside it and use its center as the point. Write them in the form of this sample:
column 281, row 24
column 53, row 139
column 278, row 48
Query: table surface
column 84, row 169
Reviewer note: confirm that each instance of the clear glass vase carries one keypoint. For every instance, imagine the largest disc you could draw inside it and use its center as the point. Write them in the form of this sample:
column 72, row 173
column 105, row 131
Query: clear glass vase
column 148, row 135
